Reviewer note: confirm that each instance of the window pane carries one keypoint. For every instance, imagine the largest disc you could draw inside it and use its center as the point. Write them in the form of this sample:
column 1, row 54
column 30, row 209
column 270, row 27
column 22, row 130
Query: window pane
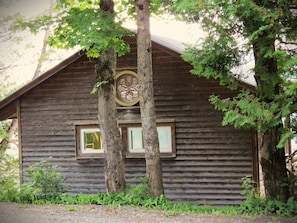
column 136, row 143
column 135, row 139
column 91, row 140
column 164, row 135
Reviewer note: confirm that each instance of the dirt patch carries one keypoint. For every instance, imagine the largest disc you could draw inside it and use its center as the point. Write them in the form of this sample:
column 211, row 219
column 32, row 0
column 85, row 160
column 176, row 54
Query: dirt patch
column 24, row 213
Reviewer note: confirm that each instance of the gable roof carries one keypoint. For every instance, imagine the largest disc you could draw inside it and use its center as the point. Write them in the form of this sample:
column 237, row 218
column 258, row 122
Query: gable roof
column 8, row 106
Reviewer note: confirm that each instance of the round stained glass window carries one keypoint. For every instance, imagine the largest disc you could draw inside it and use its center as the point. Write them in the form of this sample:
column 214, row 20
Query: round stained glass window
column 127, row 88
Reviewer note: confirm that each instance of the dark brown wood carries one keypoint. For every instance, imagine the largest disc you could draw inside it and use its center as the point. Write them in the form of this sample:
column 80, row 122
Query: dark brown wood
column 210, row 159
column 9, row 111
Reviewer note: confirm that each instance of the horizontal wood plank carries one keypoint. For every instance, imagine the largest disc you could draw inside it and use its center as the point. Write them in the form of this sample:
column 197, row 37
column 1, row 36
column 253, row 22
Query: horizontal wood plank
column 210, row 159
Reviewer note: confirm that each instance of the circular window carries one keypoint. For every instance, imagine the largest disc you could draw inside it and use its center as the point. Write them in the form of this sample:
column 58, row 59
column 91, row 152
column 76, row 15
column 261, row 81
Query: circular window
column 127, row 88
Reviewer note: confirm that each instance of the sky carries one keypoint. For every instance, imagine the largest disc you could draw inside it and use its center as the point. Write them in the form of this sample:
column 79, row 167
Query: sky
column 23, row 51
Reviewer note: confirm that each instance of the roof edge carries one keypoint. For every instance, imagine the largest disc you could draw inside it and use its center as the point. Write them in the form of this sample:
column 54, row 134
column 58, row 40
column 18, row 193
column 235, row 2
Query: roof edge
column 49, row 73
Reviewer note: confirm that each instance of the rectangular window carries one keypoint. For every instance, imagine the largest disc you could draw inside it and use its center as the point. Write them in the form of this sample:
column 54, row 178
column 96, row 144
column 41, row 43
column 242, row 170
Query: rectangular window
column 136, row 143
column 135, row 140
column 88, row 142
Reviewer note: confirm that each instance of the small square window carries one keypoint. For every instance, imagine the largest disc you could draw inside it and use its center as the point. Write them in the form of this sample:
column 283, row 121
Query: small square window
column 89, row 142
column 136, row 142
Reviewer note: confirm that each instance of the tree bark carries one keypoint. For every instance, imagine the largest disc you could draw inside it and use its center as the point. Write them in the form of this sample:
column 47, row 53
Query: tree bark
column 107, row 116
column 272, row 159
column 147, row 105
column 273, row 164
column 44, row 47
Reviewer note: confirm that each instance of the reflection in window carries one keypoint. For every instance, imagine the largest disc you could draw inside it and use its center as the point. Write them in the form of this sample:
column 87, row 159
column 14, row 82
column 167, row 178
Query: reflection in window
column 164, row 135
column 90, row 140
column 136, row 142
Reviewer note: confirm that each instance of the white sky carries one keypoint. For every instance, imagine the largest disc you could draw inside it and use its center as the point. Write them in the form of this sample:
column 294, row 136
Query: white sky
column 23, row 51
column 25, row 55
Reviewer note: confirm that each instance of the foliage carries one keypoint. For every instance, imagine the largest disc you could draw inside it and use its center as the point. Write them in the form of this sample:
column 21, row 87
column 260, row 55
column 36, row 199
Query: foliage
column 255, row 204
column 83, row 24
column 4, row 137
column 5, row 89
column 9, row 177
column 126, row 8
column 139, row 196
column 97, row 86
column 44, row 180
column 262, row 30
column 245, row 110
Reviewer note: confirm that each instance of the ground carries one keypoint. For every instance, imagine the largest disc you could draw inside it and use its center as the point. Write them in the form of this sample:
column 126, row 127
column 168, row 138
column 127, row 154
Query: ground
column 27, row 213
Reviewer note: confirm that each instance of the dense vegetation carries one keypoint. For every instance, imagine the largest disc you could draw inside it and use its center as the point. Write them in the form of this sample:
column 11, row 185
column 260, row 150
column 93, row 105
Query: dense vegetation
column 251, row 38
column 44, row 185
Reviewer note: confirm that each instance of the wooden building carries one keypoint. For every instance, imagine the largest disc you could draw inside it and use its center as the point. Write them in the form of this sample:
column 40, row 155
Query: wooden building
column 202, row 161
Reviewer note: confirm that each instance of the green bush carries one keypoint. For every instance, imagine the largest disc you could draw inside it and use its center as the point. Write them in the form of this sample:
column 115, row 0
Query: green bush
column 44, row 181
column 255, row 204
column 4, row 145
column 9, row 177
column 44, row 186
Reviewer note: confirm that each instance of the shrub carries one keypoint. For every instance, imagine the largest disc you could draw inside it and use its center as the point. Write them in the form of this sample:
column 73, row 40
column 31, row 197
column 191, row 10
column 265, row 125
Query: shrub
column 44, row 180
column 255, row 204
column 9, row 177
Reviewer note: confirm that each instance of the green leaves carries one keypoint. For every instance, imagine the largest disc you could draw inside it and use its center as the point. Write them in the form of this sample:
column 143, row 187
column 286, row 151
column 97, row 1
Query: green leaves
column 97, row 86
column 264, row 30
column 215, row 60
column 9, row 177
column 45, row 179
column 81, row 23
column 34, row 25
column 92, row 29
column 245, row 110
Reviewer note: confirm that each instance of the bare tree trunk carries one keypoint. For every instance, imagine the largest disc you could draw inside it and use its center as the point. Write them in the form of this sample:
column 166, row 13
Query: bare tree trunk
column 44, row 46
column 8, row 139
column 43, row 51
column 147, row 105
column 107, row 116
column 273, row 164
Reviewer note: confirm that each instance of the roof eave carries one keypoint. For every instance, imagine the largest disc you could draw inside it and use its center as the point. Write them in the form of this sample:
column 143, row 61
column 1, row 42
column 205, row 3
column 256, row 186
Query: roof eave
column 8, row 105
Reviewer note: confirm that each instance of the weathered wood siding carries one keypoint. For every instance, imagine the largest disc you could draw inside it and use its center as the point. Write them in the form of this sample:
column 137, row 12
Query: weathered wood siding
column 210, row 159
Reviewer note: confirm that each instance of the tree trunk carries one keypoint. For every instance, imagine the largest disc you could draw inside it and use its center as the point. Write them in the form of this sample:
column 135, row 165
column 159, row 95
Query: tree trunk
column 107, row 116
column 44, row 46
column 147, row 105
column 108, row 119
column 273, row 164
column 272, row 159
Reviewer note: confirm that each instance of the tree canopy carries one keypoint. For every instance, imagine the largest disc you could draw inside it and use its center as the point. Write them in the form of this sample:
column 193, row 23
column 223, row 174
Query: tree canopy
column 266, row 32
column 237, row 31
column 83, row 24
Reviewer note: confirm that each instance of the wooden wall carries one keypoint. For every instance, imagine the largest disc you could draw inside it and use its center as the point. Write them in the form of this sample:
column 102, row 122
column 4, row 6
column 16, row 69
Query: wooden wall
column 210, row 159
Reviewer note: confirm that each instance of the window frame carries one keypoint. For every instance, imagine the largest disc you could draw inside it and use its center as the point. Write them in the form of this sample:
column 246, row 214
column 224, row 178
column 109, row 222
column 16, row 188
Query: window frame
column 80, row 153
column 138, row 154
column 124, row 134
